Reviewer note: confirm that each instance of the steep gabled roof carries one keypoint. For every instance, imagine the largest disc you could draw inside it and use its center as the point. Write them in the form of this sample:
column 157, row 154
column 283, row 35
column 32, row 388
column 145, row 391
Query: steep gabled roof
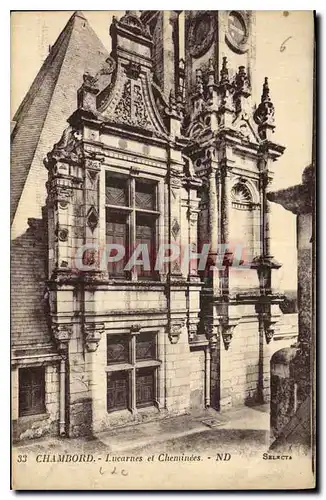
column 38, row 124
column 42, row 115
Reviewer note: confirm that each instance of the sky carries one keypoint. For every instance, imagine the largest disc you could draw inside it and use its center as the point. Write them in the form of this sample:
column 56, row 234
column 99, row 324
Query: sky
column 284, row 53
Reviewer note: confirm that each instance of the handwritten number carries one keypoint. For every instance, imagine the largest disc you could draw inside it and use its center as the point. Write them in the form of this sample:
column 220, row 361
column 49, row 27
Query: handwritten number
column 283, row 46
column 114, row 471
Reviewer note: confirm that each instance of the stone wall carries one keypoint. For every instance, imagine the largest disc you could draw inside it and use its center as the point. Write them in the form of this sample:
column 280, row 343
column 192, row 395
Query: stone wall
column 178, row 368
column 79, row 386
column 197, row 378
column 239, row 370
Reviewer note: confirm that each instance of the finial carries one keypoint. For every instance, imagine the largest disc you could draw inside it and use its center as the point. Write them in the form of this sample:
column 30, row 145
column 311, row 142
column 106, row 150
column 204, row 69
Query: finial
column 241, row 80
column 264, row 114
column 211, row 73
column 265, row 95
column 199, row 81
column 224, row 71
column 172, row 102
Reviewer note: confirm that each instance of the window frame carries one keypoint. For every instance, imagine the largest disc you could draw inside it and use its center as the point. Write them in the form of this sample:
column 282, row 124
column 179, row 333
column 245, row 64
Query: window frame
column 131, row 212
column 134, row 364
column 29, row 389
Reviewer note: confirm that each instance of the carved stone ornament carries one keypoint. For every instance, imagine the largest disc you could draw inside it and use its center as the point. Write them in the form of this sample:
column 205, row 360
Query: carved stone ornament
column 228, row 325
column 192, row 331
column 241, row 89
column 62, row 334
column 89, row 81
column 135, row 329
column 131, row 22
column 63, row 233
column 225, row 88
column 132, row 70
column 63, row 204
column 201, row 33
column 175, row 330
column 131, row 109
column 60, row 194
column 175, row 228
column 93, row 333
column 241, row 82
column 93, row 176
column 92, row 219
column 93, row 164
column 227, row 335
column 264, row 114
column 192, row 216
column 69, row 147
column 269, row 331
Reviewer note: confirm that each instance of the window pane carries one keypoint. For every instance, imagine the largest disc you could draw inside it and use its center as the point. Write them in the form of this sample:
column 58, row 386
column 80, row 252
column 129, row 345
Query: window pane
column 145, row 235
column 117, row 390
column 116, row 191
column 145, row 196
column 117, row 349
column 31, row 391
column 116, row 233
column 145, row 388
column 145, row 346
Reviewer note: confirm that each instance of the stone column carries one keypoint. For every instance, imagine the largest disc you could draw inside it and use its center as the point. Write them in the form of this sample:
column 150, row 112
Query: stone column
column 214, row 229
column 207, row 376
column 291, row 368
column 92, row 211
column 225, row 223
column 213, row 212
column 174, row 205
column 265, row 213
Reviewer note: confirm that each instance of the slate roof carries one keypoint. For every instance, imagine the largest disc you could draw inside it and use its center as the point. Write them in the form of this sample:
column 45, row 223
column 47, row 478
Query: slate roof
column 39, row 122
column 42, row 115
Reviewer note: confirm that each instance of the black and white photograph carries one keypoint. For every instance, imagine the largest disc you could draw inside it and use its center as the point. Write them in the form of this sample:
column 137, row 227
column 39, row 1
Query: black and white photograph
column 162, row 218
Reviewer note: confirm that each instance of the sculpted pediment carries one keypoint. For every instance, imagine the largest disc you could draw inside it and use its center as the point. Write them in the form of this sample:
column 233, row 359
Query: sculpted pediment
column 246, row 128
column 129, row 101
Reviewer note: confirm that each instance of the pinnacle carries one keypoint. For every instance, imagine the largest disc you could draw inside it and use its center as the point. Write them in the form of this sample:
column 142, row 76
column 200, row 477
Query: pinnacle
column 78, row 13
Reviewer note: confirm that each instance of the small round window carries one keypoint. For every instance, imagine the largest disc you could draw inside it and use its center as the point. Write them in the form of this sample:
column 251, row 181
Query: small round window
column 237, row 27
column 237, row 32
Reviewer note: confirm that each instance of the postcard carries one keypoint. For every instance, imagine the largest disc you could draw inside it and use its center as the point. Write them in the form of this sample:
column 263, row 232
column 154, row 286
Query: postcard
column 163, row 250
